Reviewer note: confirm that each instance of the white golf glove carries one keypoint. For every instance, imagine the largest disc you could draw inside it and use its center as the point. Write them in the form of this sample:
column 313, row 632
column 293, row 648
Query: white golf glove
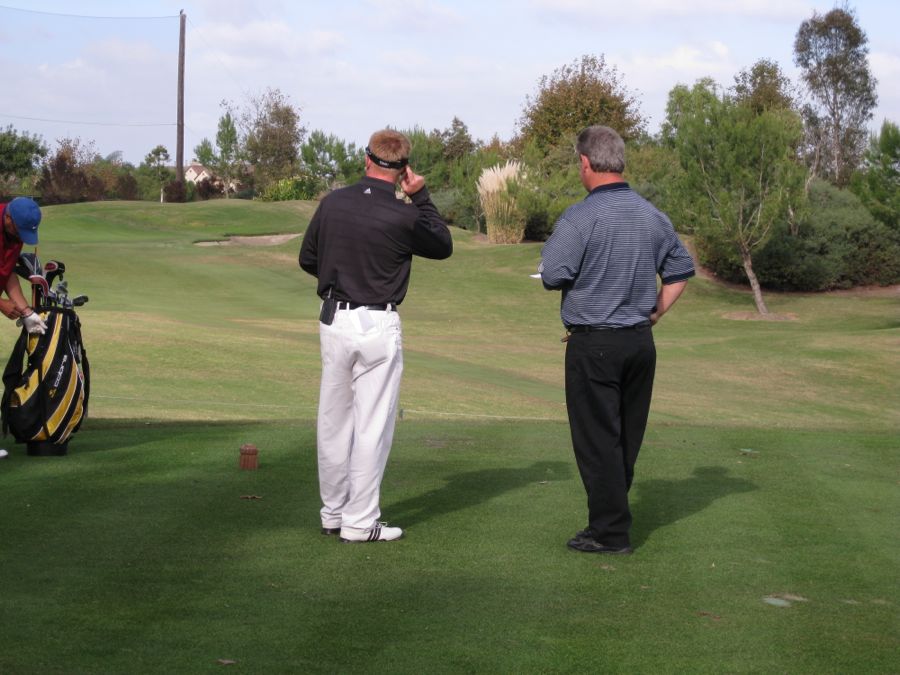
column 34, row 324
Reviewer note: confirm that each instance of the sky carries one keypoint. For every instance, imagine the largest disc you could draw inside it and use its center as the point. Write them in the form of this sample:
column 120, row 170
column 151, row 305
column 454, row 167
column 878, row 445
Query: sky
column 106, row 72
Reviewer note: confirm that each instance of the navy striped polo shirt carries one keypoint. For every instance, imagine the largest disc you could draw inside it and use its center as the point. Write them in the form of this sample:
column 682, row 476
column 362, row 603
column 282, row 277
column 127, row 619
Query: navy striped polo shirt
column 605, row 254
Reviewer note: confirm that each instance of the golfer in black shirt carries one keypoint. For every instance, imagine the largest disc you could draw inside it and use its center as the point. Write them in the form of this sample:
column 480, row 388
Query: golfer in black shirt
column 359, row 245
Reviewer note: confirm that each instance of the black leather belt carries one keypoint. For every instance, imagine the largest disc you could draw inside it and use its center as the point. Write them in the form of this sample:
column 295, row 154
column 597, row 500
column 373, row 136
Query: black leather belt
column 597, row 329
column 346, row 304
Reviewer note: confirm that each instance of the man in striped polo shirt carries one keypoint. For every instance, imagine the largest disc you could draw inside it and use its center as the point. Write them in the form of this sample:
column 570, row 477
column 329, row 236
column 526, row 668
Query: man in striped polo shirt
column 605, row 255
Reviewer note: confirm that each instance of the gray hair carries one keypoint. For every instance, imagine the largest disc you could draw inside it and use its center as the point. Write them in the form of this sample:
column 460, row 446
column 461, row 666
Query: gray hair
column 604, row 149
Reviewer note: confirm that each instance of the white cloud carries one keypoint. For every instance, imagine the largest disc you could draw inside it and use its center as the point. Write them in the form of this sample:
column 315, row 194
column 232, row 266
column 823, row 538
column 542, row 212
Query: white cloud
column 652, row 75
column 685, row 62
column 238, row 11
column 409, row 15
column 778, row 10
column 260, row 49
column 886, row 69
column 124, row 53
column 324, row 42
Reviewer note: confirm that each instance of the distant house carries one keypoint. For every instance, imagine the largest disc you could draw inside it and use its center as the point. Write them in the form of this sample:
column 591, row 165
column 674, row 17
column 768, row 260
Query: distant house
column 196, row 172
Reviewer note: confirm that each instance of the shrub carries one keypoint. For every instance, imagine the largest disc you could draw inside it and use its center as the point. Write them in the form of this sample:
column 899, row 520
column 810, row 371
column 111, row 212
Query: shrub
column 554, row 184
column 811, row 258
column 497, row 188
column 457, row 207
column 871, row 250
column 207, row 189
column 175, row 192
column 127, row 187
column 873, row 257
column 836, row 244
column 295, row 187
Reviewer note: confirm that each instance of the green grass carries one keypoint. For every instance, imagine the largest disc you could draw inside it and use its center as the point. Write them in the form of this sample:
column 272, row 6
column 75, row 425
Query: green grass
column 770, row 469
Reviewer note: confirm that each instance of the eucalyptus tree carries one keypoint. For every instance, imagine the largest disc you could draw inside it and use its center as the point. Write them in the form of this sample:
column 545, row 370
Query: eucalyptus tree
column 831, row 51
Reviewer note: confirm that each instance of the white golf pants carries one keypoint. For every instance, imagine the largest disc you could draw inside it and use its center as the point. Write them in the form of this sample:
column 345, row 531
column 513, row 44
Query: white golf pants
column 362, row 361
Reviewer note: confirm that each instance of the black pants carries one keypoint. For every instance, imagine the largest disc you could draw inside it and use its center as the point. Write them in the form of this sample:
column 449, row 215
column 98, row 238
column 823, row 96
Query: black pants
column 609, row 382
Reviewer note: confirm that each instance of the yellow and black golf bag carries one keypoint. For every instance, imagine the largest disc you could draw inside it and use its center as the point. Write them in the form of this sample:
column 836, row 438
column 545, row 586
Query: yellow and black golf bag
column 47, row 384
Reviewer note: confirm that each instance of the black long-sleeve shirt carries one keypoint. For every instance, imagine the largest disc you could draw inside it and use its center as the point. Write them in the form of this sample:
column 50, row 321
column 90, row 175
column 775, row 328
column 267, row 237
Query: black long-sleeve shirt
column 361, row 240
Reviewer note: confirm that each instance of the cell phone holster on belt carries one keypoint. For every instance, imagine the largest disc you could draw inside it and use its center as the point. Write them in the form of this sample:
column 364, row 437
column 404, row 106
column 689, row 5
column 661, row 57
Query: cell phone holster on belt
column 329, row 306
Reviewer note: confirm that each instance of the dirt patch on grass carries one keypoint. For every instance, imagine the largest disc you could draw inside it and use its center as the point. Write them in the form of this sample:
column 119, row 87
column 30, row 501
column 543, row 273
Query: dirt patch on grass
column 261, row 240
column 756, row 316
column 871, row 291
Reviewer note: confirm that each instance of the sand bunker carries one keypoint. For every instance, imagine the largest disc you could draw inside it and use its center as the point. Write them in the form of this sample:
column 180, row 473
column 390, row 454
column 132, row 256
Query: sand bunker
column 262, row 240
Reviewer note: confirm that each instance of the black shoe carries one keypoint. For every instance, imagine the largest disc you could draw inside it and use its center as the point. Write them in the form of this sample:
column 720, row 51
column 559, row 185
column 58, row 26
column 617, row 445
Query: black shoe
column 331, row 530
column 587, row 544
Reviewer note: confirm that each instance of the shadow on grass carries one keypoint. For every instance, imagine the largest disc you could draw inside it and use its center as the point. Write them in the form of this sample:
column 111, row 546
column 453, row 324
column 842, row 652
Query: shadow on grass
column 469, row 488
column 661, row 502
column 105, row 435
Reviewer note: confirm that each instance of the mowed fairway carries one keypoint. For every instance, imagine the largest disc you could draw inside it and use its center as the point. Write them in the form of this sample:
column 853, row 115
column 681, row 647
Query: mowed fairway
column 766, row 499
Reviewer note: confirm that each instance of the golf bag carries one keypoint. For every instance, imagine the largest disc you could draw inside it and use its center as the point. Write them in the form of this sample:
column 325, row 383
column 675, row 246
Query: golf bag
column 46, row 383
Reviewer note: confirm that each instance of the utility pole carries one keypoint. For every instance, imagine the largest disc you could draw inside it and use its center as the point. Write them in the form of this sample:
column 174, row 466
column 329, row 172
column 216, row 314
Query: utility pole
column 179, row 143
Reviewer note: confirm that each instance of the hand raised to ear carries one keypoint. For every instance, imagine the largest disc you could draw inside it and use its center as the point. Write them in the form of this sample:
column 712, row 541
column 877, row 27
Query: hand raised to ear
column 411, row 182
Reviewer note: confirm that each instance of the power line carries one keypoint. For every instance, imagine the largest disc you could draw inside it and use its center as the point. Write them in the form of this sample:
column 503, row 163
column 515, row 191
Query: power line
column 84, row 16
column 96, row 124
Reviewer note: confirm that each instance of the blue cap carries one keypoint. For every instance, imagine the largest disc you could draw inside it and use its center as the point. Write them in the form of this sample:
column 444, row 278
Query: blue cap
column 26, row 214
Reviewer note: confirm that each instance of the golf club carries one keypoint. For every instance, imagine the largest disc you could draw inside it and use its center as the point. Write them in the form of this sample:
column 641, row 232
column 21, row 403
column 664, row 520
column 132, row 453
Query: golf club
column 62, row 293
column 54, row 269
column 28, row 264
column 40, row 289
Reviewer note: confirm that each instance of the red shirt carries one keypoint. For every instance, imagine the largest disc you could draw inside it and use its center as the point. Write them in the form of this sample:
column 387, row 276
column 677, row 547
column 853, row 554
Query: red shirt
column 9, row 253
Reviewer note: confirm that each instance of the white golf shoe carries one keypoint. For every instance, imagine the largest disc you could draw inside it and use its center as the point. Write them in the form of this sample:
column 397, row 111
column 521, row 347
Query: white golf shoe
column 378, row 532
column 3, row 453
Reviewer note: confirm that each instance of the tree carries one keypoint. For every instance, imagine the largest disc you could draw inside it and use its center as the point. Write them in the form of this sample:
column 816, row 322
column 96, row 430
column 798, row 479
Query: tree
column 65, row 176
column 272, row 137
column 427, row 155
column 104, row 174
column 20, row 155
column 877, row 184
column 457, row 141
column 831, row 51
column 156, row 161
column 740, row 163
column 225, row 163
column 127, row 187
column 206, row 154
column 552, row 182
column 764, row 87
column 653, row 170
column 330, row 161
column 578, row 95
